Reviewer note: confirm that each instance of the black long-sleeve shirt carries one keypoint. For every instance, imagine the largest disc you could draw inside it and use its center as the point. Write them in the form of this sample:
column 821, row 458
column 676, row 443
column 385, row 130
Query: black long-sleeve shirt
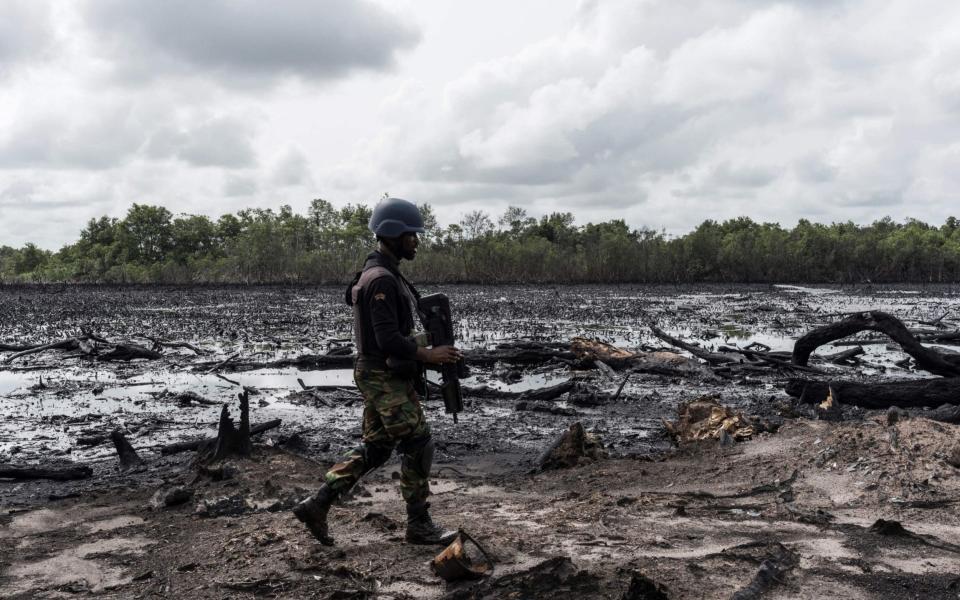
column 386, row 316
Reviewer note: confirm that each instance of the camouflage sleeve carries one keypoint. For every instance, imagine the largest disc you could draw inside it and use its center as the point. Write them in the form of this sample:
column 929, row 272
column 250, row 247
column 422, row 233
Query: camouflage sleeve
column 383, row 300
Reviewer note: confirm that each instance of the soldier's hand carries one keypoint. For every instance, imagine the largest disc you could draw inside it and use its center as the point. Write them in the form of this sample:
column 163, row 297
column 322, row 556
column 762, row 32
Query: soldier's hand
column 441, row 355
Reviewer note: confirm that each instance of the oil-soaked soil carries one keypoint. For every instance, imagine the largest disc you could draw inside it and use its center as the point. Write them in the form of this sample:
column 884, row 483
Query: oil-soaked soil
column 699, row 522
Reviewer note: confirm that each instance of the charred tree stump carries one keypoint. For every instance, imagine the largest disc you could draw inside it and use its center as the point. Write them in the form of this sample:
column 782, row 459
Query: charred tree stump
column 903, row 394
column 231, row 441
column 876, row 320
column 196, row 444
column 42, row 472
column 128, row 456
column 569, row 449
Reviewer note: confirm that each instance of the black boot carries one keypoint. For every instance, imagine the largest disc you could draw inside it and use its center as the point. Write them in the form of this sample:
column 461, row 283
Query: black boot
column 422, row 530
column 312, row 512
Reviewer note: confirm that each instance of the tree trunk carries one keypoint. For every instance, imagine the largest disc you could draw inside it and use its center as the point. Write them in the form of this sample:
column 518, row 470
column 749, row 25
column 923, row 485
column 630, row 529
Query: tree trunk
column 904, row 394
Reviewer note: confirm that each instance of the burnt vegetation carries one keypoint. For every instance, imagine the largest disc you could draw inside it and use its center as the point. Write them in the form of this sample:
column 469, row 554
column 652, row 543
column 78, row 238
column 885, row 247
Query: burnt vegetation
column 151, row 245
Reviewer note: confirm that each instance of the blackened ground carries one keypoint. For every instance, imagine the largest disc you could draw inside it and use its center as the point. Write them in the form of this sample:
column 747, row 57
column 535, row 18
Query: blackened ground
column 699, row 522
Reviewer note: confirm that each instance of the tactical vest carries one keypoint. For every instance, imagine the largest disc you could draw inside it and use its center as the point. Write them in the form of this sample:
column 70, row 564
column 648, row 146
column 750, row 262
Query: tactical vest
column 358, row 301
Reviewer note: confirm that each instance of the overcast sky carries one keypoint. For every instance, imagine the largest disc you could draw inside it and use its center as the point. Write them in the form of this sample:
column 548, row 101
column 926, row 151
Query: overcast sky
column 659, row 112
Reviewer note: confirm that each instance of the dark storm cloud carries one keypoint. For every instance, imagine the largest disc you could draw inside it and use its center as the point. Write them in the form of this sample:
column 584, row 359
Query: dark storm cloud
column 244, row 41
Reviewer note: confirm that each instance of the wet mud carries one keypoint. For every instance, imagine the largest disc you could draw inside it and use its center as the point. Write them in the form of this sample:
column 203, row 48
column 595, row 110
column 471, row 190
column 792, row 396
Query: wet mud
column 704, row 520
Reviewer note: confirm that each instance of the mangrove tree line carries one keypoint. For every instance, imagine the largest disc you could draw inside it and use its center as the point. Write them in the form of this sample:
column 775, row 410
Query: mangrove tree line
column 326, row 245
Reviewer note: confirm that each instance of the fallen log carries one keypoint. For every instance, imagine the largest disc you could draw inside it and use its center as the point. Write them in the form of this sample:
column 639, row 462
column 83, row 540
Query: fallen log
column 903, row 394
column 16, row 347
column 548, row 393
column 41, row 472
column 944, row 413
column 876, row 320
column 543, row 407
column 197, row 443
column 305, row 362
column 517, row 355
column 127, row 352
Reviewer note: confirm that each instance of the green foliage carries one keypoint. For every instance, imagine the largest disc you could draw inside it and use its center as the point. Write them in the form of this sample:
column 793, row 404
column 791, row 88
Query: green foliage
column 328, row 245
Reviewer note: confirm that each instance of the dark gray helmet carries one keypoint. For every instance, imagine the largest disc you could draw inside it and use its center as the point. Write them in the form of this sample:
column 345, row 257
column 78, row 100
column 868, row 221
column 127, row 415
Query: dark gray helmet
column 394, row 217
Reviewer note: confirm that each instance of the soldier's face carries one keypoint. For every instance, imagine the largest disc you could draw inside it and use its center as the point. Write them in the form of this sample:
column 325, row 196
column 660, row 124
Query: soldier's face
column 408, row 245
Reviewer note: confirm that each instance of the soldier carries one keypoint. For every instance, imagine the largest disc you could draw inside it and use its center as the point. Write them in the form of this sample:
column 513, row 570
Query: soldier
column 388, row 351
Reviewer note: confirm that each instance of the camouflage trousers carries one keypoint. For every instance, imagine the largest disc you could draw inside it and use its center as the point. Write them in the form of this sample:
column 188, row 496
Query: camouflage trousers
column 392, row 419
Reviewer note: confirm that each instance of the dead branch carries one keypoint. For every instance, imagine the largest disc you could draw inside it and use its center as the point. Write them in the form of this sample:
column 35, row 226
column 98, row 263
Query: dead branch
column 935, row 322
column 548, row 393
column 68, row 344
column 710, row 357
column 220, row 364
column 845, row 356
column 159, row 344
column 876, row 320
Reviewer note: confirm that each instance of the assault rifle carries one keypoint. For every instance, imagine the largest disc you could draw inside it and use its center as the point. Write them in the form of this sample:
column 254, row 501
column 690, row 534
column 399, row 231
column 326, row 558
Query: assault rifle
column 438, row 323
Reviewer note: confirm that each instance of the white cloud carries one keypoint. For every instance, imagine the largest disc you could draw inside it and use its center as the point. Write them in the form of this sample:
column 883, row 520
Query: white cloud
column 732, row 107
